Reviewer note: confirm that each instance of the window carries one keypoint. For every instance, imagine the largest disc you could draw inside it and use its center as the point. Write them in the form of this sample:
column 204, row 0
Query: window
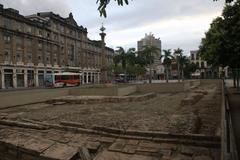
column 29, row 43
column 19, row 56
column 192, row 56
column 28, row 29
column 6, row 55
column 40, row 33
column 7, row 39
column 7, row 23
column 198, row 56
column 197, row 64
column 40, row 45
column 19, row 26
column 48, row 35
column 29, row 57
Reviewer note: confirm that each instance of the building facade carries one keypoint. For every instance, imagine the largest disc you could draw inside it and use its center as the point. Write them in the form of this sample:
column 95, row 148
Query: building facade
column 150, row 40
column 203, row 69
column 45, row 43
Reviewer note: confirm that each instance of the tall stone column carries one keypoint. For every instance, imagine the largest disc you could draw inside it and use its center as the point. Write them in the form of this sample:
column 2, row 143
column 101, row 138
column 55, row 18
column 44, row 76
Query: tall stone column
column 25, row 78
column 87, row 78
column 98, row 77
column 36, row 82
column 92, row 77
column 14, row 78
column 103, row 56
column 2, row 79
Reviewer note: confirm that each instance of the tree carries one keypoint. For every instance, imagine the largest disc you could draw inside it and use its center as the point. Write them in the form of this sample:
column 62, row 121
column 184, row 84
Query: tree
column 189, row 68
column 148, row 55
column 103, row 4
column 184, row 61
column 167, row 60
column 123, row 57
column 179, row 54
column 221, row 45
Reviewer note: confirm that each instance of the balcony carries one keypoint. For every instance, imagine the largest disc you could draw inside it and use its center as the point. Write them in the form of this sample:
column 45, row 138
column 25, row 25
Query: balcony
column 19, row 63
column 30, row 64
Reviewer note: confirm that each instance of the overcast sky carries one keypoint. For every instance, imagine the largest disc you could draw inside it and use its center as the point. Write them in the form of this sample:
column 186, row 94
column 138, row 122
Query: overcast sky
column 178, row 23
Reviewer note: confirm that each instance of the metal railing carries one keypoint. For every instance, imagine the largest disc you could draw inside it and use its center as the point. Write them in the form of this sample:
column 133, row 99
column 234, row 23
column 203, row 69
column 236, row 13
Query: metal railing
column 229, row 148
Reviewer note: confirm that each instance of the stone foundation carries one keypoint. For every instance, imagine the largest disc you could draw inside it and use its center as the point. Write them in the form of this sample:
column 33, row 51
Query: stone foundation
column 101, row 99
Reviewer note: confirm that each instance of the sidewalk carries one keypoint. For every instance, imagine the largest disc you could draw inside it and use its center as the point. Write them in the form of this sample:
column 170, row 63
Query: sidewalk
column 234, row 103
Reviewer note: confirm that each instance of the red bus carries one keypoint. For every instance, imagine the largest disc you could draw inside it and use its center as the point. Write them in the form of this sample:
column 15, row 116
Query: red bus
column 65, row 79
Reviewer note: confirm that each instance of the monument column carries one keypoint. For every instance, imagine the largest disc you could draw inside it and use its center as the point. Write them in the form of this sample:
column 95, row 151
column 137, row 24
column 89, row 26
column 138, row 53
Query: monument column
column 103, row 56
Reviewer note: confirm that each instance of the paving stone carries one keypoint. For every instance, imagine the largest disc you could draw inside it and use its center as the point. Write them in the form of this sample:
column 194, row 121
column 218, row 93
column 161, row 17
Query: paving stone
column 187, row 150
column 149, row 144
column 33, row 145
column 93, row 146
column 168, row 146
column 94, row 138
column 202, row 158
column 147, row 149
column 131, row 149
column 133, row 142
column 107, row 139
column 142, row 157
column 117, row 146
column 165, row 152
column 107, row 155
column 181, row 157
column 60, row 152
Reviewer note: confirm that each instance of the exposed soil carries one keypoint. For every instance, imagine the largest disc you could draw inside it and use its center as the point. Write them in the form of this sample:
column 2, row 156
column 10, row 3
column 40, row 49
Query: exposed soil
column 163, row 113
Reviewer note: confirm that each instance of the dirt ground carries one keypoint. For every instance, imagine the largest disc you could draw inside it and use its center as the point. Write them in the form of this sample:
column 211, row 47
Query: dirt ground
column 163, row 113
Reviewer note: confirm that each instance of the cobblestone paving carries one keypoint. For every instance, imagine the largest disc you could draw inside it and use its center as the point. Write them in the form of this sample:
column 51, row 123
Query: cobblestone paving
column 64, row 145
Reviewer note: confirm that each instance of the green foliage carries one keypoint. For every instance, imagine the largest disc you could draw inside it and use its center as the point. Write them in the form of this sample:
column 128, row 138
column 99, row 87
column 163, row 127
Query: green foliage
column 167, row 57
column 148, row 53
column 221, row 45
column 103, row 4
column 189, row 69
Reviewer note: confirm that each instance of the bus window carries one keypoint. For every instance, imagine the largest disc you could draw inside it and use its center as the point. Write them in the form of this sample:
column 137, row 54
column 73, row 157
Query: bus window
column 57, row 77
column 64, row 77
column 76, row 76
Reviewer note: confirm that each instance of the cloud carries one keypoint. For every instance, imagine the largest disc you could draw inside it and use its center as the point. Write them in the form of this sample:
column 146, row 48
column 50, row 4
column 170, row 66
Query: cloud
column 27, row 7
column 178, row 23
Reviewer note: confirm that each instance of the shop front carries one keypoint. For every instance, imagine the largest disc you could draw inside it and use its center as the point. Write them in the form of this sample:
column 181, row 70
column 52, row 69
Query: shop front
column 20, row 77
column 8, row 78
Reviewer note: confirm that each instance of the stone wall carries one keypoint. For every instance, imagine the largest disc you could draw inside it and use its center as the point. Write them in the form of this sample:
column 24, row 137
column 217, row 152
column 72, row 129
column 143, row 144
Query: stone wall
column 21, row 97
column 161, row 88
column 107, row 91
column 126, row 90
column 210, row 81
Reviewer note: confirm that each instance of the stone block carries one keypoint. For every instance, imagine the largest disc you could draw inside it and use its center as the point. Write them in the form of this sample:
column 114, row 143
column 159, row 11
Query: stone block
column 133, row 142
column 129, row 149
column 117, row 147
column 107, row 139
column 181, row 157
column 202, row 158
column 92, row 146
column 60, row 152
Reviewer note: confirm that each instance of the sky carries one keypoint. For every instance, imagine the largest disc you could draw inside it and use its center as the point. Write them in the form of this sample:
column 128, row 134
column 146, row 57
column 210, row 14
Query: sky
column 178, row 23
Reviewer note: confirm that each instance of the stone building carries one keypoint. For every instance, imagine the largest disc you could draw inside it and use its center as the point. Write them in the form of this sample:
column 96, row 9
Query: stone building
column 150, row 40
column 44, row 43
